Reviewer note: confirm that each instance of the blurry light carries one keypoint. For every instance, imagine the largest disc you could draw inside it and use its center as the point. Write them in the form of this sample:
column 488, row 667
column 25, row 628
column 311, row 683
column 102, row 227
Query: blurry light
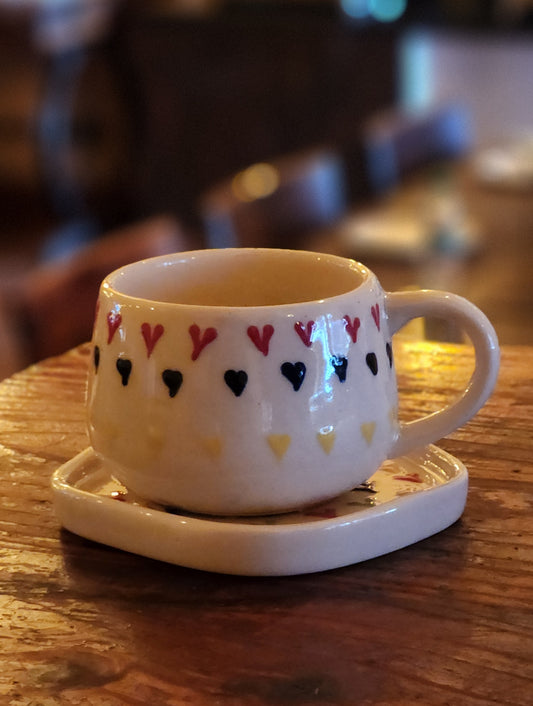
column 387, row 10
column 416, row 70
column 256, row 182
column 358, row 9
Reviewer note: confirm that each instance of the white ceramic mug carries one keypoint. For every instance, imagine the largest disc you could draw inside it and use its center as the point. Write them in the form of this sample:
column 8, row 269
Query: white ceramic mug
column 247, row 381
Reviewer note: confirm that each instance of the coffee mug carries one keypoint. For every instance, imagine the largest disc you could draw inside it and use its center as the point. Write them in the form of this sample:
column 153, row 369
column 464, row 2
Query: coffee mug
column 254, row 381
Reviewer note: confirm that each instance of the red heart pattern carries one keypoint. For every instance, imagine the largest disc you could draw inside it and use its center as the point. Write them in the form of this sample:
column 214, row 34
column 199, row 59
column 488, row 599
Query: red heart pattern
column 305, row 331
column 410, row 477
column 375, row 315
column 352, row 327
column 151, row 337
column 114, row 319
column 201, row 340
column 261, row 340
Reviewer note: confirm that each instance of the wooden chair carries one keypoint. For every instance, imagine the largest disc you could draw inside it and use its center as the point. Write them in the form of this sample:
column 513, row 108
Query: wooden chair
column 272, row 204
column 52, row 309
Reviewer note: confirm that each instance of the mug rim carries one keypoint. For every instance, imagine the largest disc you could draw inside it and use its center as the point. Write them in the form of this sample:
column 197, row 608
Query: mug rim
column 110, row 285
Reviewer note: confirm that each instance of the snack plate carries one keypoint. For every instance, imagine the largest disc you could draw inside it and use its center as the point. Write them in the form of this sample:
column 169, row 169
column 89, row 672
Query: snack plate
column 406, row 500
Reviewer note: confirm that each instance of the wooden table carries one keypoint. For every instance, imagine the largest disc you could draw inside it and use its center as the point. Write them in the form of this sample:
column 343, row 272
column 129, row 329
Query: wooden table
column 446, row 621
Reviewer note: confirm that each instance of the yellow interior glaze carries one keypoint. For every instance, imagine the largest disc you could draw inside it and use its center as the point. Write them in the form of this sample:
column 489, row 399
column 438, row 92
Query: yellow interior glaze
column 239, row 278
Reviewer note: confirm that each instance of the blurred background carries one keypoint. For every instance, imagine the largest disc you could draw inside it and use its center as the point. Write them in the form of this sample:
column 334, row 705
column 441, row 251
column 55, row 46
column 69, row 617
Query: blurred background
column 399, row 132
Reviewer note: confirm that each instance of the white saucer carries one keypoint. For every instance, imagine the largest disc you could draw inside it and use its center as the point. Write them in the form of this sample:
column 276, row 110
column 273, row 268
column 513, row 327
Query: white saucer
column 406, row 500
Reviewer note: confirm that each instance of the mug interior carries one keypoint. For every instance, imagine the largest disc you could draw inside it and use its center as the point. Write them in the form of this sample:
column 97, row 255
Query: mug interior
column 238, row 277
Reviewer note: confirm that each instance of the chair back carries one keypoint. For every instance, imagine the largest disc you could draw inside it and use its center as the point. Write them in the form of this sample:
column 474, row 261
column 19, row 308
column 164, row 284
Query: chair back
column 57, row 300
column 274, row 204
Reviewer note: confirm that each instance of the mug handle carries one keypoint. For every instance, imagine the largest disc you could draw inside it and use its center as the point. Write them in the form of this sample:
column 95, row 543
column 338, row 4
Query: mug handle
column 401, row 307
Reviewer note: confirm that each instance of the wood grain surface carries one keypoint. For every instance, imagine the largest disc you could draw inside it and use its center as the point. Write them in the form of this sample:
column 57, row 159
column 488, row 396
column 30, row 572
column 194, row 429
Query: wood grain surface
column 447, row 621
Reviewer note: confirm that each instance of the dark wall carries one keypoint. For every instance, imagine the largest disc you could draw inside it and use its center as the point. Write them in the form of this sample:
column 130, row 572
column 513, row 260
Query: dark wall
column 208, row 97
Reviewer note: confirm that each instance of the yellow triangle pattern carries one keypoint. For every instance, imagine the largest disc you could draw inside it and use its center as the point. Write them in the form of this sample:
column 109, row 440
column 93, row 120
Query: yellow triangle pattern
column 213, row 445
column 367, row 430
column 326, row 439
column 279, row 443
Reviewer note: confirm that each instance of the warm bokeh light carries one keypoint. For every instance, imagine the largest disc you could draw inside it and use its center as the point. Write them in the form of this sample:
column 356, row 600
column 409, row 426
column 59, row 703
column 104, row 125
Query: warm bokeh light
column 255, row 182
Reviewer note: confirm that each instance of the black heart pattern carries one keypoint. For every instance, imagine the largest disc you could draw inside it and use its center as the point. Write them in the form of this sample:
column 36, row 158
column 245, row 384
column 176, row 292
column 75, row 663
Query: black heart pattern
column 295, row 374
column 173, row 380
column 236, row 381
column 372, row 362
column 340, row 365
column 124, row 368
column 388, row 348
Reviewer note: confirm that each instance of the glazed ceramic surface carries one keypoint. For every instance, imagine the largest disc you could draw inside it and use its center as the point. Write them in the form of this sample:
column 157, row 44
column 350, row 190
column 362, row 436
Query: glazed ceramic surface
column 253, row 381
column 406, row 500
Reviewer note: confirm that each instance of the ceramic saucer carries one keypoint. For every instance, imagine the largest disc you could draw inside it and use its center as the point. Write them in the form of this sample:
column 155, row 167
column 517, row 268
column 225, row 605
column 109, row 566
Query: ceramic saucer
column 406, row 500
